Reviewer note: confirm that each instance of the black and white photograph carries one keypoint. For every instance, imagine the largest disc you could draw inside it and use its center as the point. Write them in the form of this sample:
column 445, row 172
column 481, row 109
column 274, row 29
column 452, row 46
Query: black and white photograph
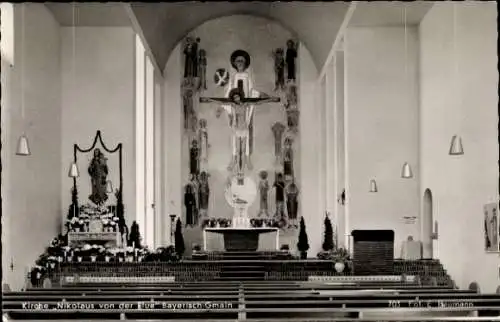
column 250, row 161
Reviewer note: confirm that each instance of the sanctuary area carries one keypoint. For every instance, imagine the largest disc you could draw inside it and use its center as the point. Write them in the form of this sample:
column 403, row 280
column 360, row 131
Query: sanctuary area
column 330, row 161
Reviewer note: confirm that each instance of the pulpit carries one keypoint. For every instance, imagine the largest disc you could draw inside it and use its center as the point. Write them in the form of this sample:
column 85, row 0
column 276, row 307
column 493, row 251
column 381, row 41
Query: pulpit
column 241, row 239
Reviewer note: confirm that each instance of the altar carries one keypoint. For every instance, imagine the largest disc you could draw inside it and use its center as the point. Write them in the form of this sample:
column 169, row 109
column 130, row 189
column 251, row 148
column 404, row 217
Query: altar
column 241, row 239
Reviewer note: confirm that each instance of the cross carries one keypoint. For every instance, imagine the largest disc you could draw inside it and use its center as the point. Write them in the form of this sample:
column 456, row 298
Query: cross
column 241, row 132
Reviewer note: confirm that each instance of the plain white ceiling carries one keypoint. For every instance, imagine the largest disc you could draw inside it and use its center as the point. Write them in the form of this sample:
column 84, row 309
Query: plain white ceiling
column 164, row 24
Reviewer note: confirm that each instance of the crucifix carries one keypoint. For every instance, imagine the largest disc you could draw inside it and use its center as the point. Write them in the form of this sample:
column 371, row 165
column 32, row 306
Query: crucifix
column 240, row 110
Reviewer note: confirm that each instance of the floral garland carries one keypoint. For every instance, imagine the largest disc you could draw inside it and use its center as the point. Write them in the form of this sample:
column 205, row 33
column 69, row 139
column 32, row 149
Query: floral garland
column 80, row 223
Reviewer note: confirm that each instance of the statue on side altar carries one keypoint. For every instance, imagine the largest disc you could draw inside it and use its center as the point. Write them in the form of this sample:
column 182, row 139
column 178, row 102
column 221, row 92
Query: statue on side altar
column 98, row 171
column 264, row 192
column 191, row 57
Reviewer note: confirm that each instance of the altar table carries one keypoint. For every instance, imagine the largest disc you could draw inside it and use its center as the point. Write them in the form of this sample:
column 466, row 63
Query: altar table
column 241, row 239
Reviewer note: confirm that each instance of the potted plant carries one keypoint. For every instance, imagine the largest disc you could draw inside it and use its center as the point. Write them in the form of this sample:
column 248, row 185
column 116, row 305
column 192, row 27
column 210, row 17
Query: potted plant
column 179, row 239
column 303, row 243
column 341, row 258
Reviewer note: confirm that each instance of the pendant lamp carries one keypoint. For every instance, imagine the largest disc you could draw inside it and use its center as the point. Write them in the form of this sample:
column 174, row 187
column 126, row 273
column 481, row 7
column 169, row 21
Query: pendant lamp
column 109, row 187
column 23, row 147
column 73, row 170
column 456, row 147
column 406, row 173
column 373, row 186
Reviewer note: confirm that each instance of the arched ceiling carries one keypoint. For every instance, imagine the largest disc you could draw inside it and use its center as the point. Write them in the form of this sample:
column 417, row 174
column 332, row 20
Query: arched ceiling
column 314, row 24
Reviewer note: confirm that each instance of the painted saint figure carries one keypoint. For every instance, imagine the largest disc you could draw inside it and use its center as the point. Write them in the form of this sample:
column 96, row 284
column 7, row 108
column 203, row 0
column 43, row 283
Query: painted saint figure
column 188, row 104
column 194, row 158
column 291, row 55
column 190, row 58
column 202, row 68
column 288, row 159
column 203, row 140
column 98, row 171
column 279, row 185
column 278, row 129
column 279, row 69
column 190, row 204
column 264, row 192
column 203, row 194
column 292, row 203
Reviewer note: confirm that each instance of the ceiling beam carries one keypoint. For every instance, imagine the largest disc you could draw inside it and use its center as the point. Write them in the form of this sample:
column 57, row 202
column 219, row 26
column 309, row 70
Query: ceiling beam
column 337, row 44
column 136, row 26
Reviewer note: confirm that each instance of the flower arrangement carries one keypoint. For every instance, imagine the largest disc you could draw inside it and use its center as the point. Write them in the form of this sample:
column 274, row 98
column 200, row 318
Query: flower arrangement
column 216, row 222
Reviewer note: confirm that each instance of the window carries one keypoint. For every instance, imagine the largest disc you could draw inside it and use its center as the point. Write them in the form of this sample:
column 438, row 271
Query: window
column 146, row 212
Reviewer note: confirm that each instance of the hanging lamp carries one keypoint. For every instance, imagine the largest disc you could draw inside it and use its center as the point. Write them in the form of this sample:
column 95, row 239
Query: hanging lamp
column 373, row 186
column 73, row 170
column 23, row 147
column 406, row 172
column 109, row 186
column 456, row 147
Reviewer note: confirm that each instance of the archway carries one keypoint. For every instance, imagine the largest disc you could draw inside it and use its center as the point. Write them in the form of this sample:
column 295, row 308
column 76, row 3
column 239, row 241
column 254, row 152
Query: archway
column 427, row 222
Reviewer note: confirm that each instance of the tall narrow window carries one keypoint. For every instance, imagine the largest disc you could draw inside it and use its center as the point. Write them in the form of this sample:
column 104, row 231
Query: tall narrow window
column 149, row 236
column 140, row 149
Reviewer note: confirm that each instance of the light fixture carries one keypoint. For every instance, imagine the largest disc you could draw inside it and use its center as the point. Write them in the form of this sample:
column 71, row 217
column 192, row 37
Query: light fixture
column 373, row 186
column 456, row 147
column 23, row 147
column 109, row 186
column 406, row 173
column 73, row 170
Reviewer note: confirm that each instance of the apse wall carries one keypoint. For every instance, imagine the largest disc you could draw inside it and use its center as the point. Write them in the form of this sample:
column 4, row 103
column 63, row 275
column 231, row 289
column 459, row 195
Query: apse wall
column 461, row 185
column 220, row 38
column 382, row 129
column 31, row 188
column 100, row 95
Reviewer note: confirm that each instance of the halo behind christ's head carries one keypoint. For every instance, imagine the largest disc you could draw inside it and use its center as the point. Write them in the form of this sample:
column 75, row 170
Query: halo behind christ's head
column 240, row 53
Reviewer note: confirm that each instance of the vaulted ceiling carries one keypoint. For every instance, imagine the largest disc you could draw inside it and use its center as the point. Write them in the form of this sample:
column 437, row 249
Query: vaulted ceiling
column 314, row 24
column 164, row 24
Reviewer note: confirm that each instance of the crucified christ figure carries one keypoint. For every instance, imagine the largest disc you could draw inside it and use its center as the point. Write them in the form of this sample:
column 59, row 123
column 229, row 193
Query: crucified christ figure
column 240, row 117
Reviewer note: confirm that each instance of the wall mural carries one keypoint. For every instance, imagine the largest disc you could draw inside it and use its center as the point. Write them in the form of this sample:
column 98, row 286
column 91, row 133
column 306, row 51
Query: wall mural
column 239, row 102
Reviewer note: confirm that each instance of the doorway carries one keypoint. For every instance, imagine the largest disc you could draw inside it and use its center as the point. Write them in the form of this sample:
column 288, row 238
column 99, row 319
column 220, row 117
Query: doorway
column 427, row 229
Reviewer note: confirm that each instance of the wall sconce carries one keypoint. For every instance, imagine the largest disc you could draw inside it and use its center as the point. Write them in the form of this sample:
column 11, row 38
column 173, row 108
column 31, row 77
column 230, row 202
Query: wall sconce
column 406, row 173
column 73, row 170
column 373, row 186
column 456, row 147
column 109, row 186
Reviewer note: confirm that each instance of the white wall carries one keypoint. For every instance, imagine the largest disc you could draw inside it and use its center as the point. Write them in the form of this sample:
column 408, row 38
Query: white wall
column 382, row 129
column 461, row 185
column 172, row 139
column 32, row 212
column 311, row 206
column 102, row 99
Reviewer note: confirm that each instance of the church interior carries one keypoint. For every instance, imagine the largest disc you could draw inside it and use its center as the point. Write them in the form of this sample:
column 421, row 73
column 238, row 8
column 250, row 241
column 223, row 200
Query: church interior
column 331, row 161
